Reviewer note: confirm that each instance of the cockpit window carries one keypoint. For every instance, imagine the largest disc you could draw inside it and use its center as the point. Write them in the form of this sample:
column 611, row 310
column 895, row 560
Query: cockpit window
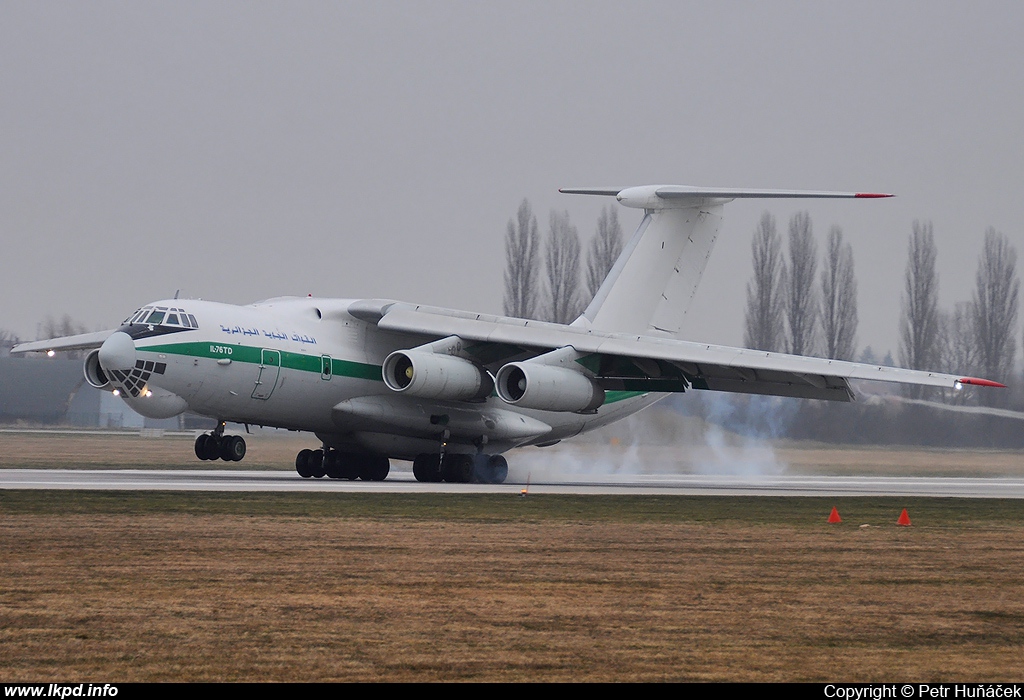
column 162, row 316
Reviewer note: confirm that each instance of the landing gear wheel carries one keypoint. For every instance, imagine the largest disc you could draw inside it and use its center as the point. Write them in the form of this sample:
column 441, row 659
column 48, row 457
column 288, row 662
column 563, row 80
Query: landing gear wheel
column 211, row 448
column 498, row 467
column 201, row 446
column 302, row 463
column 458, row 469
column 333, row 464
column 232, row 448
column 490, row 469
column 374, row 468
column 427, row 468
column 316, row 464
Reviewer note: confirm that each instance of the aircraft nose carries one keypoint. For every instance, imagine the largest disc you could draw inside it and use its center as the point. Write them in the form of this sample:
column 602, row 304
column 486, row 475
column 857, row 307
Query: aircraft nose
column 118, row 352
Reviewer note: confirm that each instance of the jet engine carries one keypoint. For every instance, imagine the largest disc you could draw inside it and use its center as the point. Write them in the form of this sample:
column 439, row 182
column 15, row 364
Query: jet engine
column 533, row 385
column 93, row 372
column 436, row 376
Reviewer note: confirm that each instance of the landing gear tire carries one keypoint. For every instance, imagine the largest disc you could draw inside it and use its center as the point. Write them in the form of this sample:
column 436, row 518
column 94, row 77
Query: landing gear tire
column 232, row 448
column 427, row 468
column 458, row 469
column 211, row 448
column 374, row 468
column 332, row 464
column 341, row 465
column 302, row 463
column 490, row 469
column 316, row 464
column 201, row 446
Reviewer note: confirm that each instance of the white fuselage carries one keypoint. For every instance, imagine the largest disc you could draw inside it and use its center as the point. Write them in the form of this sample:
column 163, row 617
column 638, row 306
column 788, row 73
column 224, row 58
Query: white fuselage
column 306, row 364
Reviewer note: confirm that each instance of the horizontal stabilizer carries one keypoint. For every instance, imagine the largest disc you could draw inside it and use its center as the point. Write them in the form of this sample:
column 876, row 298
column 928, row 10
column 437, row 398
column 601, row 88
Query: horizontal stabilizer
column 665, row 196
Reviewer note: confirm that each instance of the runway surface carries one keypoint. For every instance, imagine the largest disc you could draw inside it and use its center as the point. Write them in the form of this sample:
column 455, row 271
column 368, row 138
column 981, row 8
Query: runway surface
column 403, row 482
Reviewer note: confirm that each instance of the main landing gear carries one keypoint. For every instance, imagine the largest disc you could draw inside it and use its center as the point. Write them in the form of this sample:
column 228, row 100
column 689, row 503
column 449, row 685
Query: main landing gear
column 341, row 465
column 460, row 469
column 217, row 445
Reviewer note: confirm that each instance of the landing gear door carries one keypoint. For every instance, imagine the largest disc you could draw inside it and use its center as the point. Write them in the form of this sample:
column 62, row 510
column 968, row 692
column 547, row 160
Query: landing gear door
column 270, row 370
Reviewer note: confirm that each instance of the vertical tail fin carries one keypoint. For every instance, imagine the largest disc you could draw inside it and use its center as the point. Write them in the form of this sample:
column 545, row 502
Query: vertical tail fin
column 651, row 285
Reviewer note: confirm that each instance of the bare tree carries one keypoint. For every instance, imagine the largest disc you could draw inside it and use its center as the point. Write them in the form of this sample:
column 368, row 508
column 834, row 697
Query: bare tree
column 765, row 317
column 958, row 347
column 522, row 268
column 52, row 328
column 7, row 338
column 801, row 292
column 605, row 248
column 919, row 320
column 994, row 308
column 562, row 263
column 839, row 298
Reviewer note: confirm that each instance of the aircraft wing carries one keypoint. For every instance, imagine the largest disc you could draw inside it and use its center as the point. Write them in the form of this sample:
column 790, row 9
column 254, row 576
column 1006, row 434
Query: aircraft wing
column 624, row 362
column 84, row 341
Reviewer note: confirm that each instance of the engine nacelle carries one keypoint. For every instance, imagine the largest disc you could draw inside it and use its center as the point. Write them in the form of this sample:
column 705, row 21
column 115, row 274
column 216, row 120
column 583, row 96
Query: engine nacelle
column 93, row 372
column 156, row 403
column 436, row 376
column 532, row 385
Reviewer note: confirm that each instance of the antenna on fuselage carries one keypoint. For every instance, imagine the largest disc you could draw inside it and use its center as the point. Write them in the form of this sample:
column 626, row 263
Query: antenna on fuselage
column 176, row 293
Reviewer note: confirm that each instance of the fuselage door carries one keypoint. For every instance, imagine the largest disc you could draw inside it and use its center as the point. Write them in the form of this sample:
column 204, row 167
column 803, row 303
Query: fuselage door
column 270, row 370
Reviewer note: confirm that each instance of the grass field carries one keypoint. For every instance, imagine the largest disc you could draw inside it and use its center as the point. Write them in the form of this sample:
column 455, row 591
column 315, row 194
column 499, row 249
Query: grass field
column 129, row 586
column 121, row 586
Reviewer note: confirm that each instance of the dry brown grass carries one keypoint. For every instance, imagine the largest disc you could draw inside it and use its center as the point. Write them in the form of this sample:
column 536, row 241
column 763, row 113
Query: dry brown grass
column 71, row 450
column 233, row 597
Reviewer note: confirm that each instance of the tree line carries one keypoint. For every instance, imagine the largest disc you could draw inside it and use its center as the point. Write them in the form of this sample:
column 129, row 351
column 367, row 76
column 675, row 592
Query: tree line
column 557, row 291
column 791, row 310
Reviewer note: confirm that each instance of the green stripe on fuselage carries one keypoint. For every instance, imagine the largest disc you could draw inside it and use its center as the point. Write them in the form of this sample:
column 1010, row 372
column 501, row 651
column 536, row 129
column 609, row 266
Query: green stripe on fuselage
column 302, row 362
column 254, row 355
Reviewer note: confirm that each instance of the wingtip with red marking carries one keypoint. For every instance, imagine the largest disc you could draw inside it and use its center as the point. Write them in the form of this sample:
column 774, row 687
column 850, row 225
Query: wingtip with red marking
column 981, row 382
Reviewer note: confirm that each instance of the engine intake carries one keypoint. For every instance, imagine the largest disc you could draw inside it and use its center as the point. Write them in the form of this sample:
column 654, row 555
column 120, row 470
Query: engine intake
column 93, row 372
column 532, row 385
column 435, row 376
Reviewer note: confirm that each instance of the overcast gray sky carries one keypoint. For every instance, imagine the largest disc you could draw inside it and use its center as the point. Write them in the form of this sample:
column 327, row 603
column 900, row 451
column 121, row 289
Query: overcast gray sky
column 239, row 151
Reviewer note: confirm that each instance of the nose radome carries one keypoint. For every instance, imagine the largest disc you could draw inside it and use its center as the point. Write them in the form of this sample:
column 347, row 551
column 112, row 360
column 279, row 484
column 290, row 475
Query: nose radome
column 118, row 352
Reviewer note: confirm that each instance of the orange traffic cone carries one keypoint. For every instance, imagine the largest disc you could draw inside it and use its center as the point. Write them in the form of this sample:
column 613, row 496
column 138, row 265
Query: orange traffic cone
column 904, row 519
column 833, row 517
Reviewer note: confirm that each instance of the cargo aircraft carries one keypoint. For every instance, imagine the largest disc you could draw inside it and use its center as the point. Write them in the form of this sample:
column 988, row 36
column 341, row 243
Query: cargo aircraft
column 451, row 391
